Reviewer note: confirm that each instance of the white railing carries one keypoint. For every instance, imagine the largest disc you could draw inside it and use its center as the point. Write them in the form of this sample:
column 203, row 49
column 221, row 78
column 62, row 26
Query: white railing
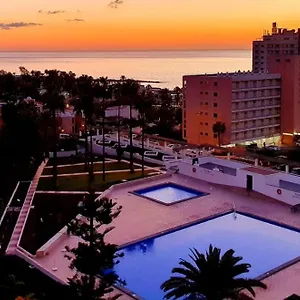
column 9, row 202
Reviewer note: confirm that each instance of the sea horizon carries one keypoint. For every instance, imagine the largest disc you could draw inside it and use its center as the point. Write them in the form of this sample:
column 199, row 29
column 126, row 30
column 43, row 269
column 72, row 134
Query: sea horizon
column 166, row 66
column 132, row 50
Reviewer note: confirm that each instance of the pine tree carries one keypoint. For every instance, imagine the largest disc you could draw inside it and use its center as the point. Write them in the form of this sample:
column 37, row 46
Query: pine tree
column 93, row 258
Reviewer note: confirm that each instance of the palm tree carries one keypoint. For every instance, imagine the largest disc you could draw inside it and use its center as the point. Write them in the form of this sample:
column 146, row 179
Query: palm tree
column 54, row 101
column 105, row 93
column 178, row 95
column 117, row 93
column 130, row 95
column 84, row 105
column 219, row 128
column 143, row 104
column 210, row 276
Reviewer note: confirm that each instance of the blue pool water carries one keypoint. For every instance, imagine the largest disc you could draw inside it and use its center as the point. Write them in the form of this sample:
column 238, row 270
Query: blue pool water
column 169, row 193
column 146, row 265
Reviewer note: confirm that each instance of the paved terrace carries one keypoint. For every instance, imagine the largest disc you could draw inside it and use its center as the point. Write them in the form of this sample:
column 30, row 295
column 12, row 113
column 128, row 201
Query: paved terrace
column 141, row 217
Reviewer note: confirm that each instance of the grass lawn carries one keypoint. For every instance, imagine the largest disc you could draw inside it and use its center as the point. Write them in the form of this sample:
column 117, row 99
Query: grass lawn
column 50, row 214
column 80, row 182
column 80, row 168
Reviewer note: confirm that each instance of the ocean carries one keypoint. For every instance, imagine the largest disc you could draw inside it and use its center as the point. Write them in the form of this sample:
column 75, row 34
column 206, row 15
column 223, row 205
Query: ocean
column 168, row 67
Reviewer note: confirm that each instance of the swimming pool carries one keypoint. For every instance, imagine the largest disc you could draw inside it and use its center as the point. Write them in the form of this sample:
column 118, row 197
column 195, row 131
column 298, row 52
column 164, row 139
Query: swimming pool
column 147, row 264
column 169, row 193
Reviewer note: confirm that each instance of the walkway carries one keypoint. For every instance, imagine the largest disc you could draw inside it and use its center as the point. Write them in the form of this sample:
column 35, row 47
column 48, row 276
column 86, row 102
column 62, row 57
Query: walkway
column 13, row 243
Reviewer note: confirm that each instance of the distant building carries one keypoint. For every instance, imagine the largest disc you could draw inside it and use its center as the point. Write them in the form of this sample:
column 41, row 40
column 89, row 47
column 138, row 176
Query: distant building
column 123, row 112
column 279, row 41
column 288, row 66
column 248, row 104
column 69, row 122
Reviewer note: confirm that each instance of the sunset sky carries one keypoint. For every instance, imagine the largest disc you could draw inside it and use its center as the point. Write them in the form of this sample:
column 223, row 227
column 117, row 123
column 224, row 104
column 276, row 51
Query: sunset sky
column 64, row 25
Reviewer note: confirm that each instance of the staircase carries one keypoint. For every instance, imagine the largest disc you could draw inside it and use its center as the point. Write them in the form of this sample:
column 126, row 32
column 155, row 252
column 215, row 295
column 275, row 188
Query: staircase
column 18, row 230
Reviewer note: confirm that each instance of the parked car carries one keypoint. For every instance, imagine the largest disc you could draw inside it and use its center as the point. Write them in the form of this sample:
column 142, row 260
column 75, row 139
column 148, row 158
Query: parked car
column 296, row 171
column 281, row 157
column 252, row 147
column 273, row 148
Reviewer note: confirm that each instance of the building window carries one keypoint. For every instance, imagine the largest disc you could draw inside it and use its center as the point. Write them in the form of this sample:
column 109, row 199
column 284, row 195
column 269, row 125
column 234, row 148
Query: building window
column 206, row 93
column 73, row 129
column 215, row 94
column 215, row 83
column 215, row 115
column 215, row 135
column 288, row 60
column 206, row 133
column 201, row 133
column 73, row 120
column 206, row 114
column 201, row 123
column 215, row 104
column 206, row 103
column 184, row 132
column 201, row 93
column 201, row 82
column 206, row 123
column 278, row 60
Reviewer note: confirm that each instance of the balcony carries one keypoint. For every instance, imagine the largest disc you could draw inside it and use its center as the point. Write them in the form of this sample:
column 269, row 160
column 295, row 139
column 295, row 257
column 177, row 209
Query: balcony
column 269, row 87
column 255, row 107
column 254, row 118
column 256, row 98
column 255, row 128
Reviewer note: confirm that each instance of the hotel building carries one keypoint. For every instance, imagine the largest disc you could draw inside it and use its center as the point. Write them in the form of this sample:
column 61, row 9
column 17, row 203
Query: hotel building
column 248, row 103
column 288, row 66
column 280, row 41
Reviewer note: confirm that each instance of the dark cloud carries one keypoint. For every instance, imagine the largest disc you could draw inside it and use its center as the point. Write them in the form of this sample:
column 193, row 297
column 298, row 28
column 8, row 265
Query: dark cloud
column 115, row 3
column 52, row 12
column 75, row 20
column 9, row 26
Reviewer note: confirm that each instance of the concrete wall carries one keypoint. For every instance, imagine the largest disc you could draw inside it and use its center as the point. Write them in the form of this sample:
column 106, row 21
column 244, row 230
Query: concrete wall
column 267, row 185
column 187, row 169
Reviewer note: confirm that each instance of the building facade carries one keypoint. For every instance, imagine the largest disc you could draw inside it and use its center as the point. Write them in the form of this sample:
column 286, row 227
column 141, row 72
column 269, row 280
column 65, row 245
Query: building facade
column 69, row 122
column 123, row 112
column 288, row 66
column 279, row 41
column 247, row 103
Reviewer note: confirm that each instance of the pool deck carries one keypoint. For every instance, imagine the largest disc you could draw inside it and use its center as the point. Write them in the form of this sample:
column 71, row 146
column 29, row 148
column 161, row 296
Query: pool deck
column 141, row 218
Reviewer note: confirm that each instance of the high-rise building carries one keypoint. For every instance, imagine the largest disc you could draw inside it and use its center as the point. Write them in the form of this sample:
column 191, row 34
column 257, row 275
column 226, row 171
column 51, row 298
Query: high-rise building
column 279, row 41
column 247, row 103
column 288, row 66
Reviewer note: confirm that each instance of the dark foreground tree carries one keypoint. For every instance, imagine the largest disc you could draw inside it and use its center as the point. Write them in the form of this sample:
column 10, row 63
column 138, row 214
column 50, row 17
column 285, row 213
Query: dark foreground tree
column 93, row 256
column 210, row 276
column 54, row 101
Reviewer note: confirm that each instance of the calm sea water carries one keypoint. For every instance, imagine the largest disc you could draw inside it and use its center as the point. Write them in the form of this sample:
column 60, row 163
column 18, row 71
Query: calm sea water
column 165, row 66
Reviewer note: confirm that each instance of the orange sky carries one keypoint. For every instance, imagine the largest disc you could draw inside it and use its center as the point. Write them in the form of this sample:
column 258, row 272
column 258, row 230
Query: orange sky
column 140, row 24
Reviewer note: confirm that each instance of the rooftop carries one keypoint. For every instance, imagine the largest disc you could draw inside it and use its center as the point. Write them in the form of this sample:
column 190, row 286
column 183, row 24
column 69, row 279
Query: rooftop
column 240, row 75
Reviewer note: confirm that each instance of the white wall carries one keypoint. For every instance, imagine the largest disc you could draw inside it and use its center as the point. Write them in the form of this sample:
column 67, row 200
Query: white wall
column 260, row 185
column 124, row 112
column 224, row 162
column 186, row 168
column 267, row 185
